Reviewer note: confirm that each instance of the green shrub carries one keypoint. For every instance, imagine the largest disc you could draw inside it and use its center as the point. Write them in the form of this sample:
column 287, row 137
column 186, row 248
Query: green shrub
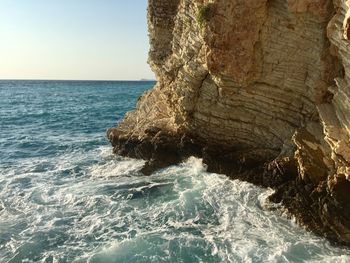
column 204, row 15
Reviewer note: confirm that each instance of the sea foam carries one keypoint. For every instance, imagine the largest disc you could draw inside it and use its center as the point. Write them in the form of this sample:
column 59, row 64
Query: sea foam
column 64, row 196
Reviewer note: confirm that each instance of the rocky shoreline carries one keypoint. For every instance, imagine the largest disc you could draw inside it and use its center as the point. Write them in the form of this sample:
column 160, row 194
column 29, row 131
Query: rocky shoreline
column 257, row 89
column 304, row 200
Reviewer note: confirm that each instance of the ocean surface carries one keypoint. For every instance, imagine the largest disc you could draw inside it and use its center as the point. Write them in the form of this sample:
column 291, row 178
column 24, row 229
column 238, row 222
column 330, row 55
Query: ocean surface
column 64, row 197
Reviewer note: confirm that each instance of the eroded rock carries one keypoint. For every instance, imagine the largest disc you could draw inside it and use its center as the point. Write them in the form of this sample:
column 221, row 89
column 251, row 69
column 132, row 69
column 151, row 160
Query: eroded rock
column 259, row 90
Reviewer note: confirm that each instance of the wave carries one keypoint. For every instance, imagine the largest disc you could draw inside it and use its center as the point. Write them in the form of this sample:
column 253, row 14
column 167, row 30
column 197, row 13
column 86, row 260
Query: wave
column 95, row 207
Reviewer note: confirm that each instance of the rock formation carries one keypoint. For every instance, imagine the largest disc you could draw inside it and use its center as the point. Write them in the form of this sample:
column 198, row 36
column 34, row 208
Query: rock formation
column 260, row 90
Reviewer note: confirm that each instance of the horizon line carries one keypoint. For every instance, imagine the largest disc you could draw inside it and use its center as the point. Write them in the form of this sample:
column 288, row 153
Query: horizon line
column 80, row 79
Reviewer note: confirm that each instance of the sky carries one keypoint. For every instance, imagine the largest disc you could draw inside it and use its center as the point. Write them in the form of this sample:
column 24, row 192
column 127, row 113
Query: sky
column 74, row 39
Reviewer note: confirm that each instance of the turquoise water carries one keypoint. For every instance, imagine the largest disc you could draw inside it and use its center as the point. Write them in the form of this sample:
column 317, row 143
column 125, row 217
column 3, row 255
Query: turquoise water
column 65, row 198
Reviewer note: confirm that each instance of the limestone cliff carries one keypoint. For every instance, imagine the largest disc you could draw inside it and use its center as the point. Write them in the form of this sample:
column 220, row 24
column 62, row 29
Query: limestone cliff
column 260, row 90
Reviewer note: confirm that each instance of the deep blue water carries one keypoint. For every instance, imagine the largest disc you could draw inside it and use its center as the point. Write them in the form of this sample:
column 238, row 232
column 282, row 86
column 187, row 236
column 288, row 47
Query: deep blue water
column 64, row 197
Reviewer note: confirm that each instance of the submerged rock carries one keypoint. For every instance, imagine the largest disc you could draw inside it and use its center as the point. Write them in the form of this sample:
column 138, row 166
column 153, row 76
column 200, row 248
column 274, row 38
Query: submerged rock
column 259, row 90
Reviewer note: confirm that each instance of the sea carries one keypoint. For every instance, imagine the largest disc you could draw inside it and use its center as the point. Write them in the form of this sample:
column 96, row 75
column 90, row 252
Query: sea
column 65, row 197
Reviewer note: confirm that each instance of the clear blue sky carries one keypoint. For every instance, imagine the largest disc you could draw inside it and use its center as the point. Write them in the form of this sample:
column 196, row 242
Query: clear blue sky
column 73, row 39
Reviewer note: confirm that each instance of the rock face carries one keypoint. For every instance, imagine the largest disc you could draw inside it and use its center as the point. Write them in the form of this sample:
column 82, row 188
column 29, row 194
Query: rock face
column 260, row 90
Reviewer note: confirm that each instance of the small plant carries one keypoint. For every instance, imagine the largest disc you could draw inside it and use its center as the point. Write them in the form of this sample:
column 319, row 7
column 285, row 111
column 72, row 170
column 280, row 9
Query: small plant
column 204, row 15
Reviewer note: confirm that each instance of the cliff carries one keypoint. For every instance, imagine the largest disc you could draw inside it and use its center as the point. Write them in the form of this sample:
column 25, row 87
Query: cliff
column 260, row 90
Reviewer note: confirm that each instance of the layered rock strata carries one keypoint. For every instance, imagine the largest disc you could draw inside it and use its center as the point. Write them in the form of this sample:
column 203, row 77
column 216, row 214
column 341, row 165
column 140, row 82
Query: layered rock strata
column 258, row 89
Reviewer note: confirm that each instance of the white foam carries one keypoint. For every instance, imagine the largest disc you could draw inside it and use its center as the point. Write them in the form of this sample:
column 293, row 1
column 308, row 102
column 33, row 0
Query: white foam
column 119, row 167
column 111, row 211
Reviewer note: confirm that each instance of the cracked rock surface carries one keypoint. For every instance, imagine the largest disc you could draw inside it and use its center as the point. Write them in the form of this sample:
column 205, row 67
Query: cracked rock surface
column 260, row 90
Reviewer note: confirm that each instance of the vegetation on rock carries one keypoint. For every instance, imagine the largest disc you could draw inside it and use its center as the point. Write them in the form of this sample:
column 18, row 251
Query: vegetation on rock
column 204, row 14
